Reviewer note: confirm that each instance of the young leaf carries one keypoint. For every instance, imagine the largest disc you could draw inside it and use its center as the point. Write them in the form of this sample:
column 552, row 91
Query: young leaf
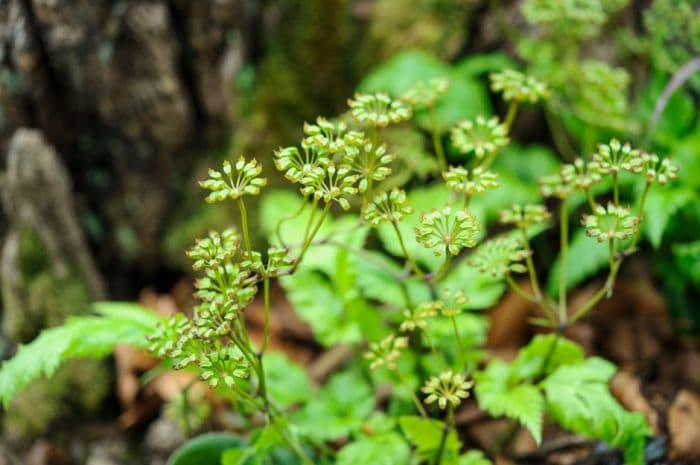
column 92, row 336
column 286, row 381
column 548, row 350
column 521, row 402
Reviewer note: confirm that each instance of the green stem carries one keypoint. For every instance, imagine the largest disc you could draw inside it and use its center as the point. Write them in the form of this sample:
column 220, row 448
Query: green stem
column 309, row 222
column 512, row 111
column 444, row 267
column 415, row 398
column 532, row 273
column 564, row 246
column 433, row 349
column 410, row 259
column 292, row 443
column 437, row 140
column 591, row 201
column 616, row 190
column 460, row 347
column 604, row 291
column 266, row 324
column 313, row 233
column 550, row 354
column 640, row 217
column 518, row 289
column 244, row 226
column 445, row 431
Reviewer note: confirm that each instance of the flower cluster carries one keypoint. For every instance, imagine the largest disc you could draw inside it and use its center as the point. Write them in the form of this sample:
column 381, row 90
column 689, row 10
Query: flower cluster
column 524, row 216
column 447, row 388
column 514, row 85
column 500, row 256
column 447, row 231
column 385, row 352
column 215, row 249
column 655, row 169
column 425, row 93
column 452, row 303
column 378, row 110
column 368, row 162
column 581, row 175
column 329, row 137
column 461, row 180
column 481, row 136
column 234, row 181
column 613, row 222
column 387, row 207
column 614, row 157
column 417, row 317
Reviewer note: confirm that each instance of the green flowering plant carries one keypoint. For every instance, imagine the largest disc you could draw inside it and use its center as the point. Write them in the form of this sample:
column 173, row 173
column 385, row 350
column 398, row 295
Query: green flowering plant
column 375, row 263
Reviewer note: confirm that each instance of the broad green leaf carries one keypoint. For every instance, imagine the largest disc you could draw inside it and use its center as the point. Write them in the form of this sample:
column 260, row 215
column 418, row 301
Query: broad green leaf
column 545, row 349
column 382, row 449
column 286, row 381
column 521, row 402
column 577, row 396
column 206, row 449
column 91, row 336
column 661, row 205
column 478, row 64
column 473, row 457
column 687, row 256
column 426, row 434
column 376, row 278
column 318, row 304
column 399, row 73
column 341, row 408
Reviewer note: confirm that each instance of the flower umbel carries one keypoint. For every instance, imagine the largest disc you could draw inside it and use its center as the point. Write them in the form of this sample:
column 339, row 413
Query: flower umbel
column 613, row 157
column 388, row 207
column 368, row 162
column 580, row 175
column 461, row 180
column 445, row 231
column 417, row 318
column 214, row 249
column 452, row 303
column 606, row 224
column 481, row 136
column 500, row 256
column 447, row 388
column 331, row 137
column 234, row 182
column 425, row 93
column 306, row 166
column 517, row 86
column 385, row 352
column 336, row 184
column 524, row 216
column 378, row 109
column 661, row 171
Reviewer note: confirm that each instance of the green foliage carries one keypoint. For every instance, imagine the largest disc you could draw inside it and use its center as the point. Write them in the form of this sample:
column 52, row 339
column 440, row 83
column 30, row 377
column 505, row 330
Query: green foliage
column 579, row 399
column 81, row 337
column 339, row 410
column 551, row 375
column 425, row 434
column 381, row 449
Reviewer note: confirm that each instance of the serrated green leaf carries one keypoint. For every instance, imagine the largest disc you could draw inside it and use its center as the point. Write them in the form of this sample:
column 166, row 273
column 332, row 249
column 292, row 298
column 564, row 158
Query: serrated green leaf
column 318, row 304
column 426, row 434
column 521, row 402
column 577, row 396
column 80, row 337
column 481, row 289
column 382, row 449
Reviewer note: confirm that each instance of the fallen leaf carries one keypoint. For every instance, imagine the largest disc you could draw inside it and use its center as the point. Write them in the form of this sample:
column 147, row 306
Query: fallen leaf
column 684, row 426
column 626, row 388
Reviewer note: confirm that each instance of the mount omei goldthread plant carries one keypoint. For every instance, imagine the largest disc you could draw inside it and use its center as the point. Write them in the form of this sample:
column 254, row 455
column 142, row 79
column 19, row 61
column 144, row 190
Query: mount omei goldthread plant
column 405, row 303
